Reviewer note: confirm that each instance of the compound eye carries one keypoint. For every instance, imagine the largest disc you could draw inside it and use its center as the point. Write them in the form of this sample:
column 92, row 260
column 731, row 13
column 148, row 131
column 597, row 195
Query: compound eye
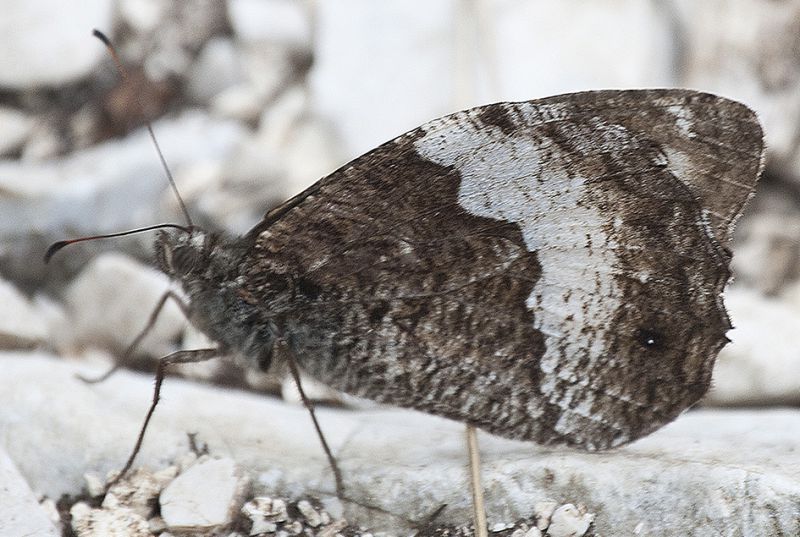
column 183, row 259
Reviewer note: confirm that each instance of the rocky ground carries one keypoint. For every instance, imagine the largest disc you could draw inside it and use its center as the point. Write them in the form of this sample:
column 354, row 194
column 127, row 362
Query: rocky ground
column 252, row 101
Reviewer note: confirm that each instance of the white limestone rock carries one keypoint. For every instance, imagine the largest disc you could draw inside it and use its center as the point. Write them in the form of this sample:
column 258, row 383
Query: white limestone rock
column 216, row 68
column 767, row 250
column 138, row 490
column 543, row 511
column 15, row 128
column 111, row 186
column 761, row 364
column 282, row 21
column 266, row 71
column 43, row 142
column 204, row 496
column 142, row 15
column 20, row 512
column 121, row 522
column 523, row 50
column 21, row 324
column 47, row 42
column 382, row 39
column 405, row 462
column 308, row 511
column 265, row 513
column 532, row 532
column 110, row 302
column 312, row 388
column 288, row 152
column 569, row 521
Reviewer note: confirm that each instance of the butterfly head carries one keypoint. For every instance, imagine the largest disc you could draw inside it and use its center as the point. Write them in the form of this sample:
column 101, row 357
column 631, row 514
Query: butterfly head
column 181, row 254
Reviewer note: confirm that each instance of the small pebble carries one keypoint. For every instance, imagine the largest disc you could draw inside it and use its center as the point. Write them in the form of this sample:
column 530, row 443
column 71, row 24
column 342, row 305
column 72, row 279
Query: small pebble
column 500, row 526
column 333, row 529
column 204, row 496
column 116, row 522
column 265, row 514
column 295, row 527
column 94, row 484
column 49, row 506
column 138, row 490
column 263, row 526
column 157, row 526
column 309, row 513
column 543, row 511
column 569, row 521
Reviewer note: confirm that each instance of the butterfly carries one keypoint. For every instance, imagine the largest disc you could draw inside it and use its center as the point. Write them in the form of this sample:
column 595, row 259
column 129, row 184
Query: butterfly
column 549, row 270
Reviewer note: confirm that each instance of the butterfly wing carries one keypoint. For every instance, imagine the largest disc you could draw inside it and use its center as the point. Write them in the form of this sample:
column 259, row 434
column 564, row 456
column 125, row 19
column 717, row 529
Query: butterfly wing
column 548, row 270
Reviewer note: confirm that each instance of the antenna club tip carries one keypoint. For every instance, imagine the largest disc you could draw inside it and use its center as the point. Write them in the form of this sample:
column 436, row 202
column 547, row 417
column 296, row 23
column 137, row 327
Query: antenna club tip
column 102, row 37
column 55, row 247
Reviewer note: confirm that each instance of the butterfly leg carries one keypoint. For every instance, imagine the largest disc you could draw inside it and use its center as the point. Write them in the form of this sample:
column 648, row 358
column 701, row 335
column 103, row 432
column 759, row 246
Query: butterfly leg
column 479, row 515
column 337, row 474
column 146, row 330
column 178, row 357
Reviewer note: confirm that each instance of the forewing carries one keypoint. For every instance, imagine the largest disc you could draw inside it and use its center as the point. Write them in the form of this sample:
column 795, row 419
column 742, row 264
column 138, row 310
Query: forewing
column 548, row 270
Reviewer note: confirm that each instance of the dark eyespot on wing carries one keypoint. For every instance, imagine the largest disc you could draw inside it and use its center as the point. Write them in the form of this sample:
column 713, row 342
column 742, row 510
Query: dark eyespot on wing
column 650, row 339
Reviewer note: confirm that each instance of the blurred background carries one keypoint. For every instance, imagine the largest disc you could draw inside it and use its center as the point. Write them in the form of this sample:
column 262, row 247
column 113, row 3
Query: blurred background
column 254, row 100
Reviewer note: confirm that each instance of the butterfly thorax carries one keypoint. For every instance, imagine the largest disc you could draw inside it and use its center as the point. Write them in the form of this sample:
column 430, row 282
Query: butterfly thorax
column 206, row 265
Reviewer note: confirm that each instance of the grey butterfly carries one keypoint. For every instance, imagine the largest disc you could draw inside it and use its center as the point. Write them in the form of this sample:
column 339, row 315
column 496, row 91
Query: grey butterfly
column 549, row 270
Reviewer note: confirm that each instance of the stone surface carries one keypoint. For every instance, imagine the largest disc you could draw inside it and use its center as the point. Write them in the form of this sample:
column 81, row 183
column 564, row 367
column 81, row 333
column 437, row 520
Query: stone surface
column 20, row 512
column 204, row 496
column 110, row 302
column 21, row 325
column 54, row 47
column 761, row 365
column 706, row 468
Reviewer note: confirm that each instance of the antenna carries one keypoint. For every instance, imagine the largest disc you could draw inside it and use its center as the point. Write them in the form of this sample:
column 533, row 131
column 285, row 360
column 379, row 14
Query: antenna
column 124, row 74
column 56, row 246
